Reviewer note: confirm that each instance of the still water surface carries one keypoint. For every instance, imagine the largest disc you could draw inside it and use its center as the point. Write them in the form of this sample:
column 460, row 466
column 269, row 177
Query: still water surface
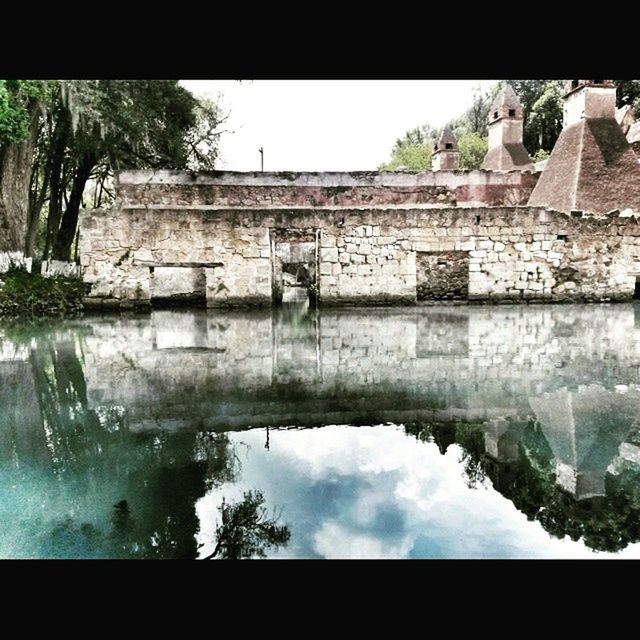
column 439, row 432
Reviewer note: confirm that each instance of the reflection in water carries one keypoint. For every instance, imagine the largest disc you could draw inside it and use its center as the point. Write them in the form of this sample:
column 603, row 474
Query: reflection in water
column 245, row 530
column 170, row 436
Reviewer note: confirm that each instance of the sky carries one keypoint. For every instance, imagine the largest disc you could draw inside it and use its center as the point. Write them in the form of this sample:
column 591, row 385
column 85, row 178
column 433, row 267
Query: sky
column 324, row 125
column 376, row 492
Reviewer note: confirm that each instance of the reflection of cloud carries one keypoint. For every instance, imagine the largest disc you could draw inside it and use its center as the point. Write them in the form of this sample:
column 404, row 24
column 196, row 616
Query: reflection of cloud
column 334, row 540
column 374, row 492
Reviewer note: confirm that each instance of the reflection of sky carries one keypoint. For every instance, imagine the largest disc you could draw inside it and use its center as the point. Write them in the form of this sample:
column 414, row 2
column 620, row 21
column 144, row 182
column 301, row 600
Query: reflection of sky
column 374, row 492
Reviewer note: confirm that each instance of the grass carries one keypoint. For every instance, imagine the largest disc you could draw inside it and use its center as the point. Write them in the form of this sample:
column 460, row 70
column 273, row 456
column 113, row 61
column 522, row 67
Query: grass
column 32, row 295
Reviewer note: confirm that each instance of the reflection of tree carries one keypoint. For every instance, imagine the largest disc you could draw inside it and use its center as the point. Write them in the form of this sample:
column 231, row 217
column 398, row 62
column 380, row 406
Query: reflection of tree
column 246, row 530
column 154, row 478
column 604, row 523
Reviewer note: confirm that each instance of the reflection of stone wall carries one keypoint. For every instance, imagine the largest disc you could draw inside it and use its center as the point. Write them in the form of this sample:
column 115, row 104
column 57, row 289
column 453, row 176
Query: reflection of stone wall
column 442, row 275
column 233, row 364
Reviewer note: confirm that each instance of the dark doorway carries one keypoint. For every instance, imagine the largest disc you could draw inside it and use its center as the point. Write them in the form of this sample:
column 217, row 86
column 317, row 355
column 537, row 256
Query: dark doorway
column 442, row 275
column 294, row 264
column 636, row 292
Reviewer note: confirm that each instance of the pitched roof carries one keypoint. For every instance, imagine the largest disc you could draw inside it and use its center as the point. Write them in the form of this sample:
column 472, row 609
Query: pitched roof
column 591, row 168
column 508, row 156
column 446, row 137
column 506, row 98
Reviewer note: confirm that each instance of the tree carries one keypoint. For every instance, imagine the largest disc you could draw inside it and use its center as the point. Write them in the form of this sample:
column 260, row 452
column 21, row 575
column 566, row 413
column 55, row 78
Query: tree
column 413, row 151
column 245, row 530
column 540, row 123
column 476, row 118
column 545, row 119
column 101, row 126
column 628, row 92
column 20, row 108
column 473, row 149
column 88, row 129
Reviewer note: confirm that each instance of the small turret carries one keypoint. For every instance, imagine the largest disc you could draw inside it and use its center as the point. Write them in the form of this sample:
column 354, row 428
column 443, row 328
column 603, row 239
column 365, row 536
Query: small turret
column 445, row 152
column 506, row 151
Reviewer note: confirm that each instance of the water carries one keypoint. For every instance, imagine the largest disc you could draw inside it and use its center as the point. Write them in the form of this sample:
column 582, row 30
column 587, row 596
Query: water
column 431, row 432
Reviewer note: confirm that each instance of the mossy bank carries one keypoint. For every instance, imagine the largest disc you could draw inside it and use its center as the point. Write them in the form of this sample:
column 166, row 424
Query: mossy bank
column 32, row 295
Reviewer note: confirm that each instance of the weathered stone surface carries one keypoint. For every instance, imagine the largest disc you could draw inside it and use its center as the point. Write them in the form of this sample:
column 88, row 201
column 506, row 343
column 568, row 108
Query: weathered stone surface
column 578, row 259
column 142, row 189
column 363, row 254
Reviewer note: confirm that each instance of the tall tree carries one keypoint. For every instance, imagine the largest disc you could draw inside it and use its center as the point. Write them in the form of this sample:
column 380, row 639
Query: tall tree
column 20, row 109
column 545, row 118
column 106, row 125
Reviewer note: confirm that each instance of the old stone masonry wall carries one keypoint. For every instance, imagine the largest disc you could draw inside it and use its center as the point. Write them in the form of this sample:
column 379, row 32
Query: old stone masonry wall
column 365, row 255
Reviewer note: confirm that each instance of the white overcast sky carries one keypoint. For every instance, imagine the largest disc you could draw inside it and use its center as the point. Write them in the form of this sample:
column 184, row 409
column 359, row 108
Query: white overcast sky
column 322, row 125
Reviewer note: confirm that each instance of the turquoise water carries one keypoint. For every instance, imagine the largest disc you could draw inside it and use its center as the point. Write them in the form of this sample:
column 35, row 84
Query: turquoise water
column 430, row 432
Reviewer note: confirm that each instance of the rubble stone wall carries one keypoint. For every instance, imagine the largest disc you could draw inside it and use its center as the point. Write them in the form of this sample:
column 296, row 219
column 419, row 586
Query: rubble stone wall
column 365, row 255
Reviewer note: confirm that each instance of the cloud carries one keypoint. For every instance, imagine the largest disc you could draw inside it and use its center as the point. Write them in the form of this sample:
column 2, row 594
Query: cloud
column 374, row 492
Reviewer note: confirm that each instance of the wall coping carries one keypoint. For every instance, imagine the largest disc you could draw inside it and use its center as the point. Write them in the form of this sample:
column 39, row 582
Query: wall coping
column 464, row 208
column 320, row 178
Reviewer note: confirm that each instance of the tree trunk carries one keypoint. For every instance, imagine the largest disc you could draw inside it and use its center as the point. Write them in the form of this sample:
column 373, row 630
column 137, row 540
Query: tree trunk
column 55, row 176
column 69, row 224
column 15, row 177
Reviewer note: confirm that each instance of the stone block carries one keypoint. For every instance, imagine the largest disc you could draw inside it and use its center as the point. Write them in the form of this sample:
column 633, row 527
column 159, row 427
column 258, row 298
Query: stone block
column 329, row 255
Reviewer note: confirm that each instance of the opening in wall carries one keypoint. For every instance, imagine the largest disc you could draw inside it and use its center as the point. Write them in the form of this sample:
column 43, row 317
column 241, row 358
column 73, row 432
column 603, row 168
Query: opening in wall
column 177, row 286
column 442, row 275
column 636, row 292
column 294, row 259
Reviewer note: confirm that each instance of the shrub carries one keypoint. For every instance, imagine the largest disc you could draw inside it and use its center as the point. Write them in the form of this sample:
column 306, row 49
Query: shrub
column 30, row 294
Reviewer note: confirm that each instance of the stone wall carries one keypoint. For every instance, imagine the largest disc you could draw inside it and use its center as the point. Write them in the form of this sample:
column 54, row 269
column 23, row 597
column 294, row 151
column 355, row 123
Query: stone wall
column 365, row 255
column 329, row 189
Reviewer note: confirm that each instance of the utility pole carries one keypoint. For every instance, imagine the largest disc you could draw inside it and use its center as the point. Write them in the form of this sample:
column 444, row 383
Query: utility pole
column 261, row 150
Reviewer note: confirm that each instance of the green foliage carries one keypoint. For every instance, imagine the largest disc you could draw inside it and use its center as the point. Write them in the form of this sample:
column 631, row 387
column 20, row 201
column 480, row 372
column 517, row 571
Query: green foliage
column 475, row 118
column 413, row 151
column 473, row 149
column 544, row 122
column 15, row 98
column 542, row 103
column 32, row 295
column 628, row 92
column 14, row 118
column 245, row 530
column 415, row 157
column 540, row 155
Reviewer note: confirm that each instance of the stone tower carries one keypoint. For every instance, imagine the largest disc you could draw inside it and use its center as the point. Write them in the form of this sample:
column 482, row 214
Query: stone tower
column 592, row 166
column 445, row 152
column 506, row 151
